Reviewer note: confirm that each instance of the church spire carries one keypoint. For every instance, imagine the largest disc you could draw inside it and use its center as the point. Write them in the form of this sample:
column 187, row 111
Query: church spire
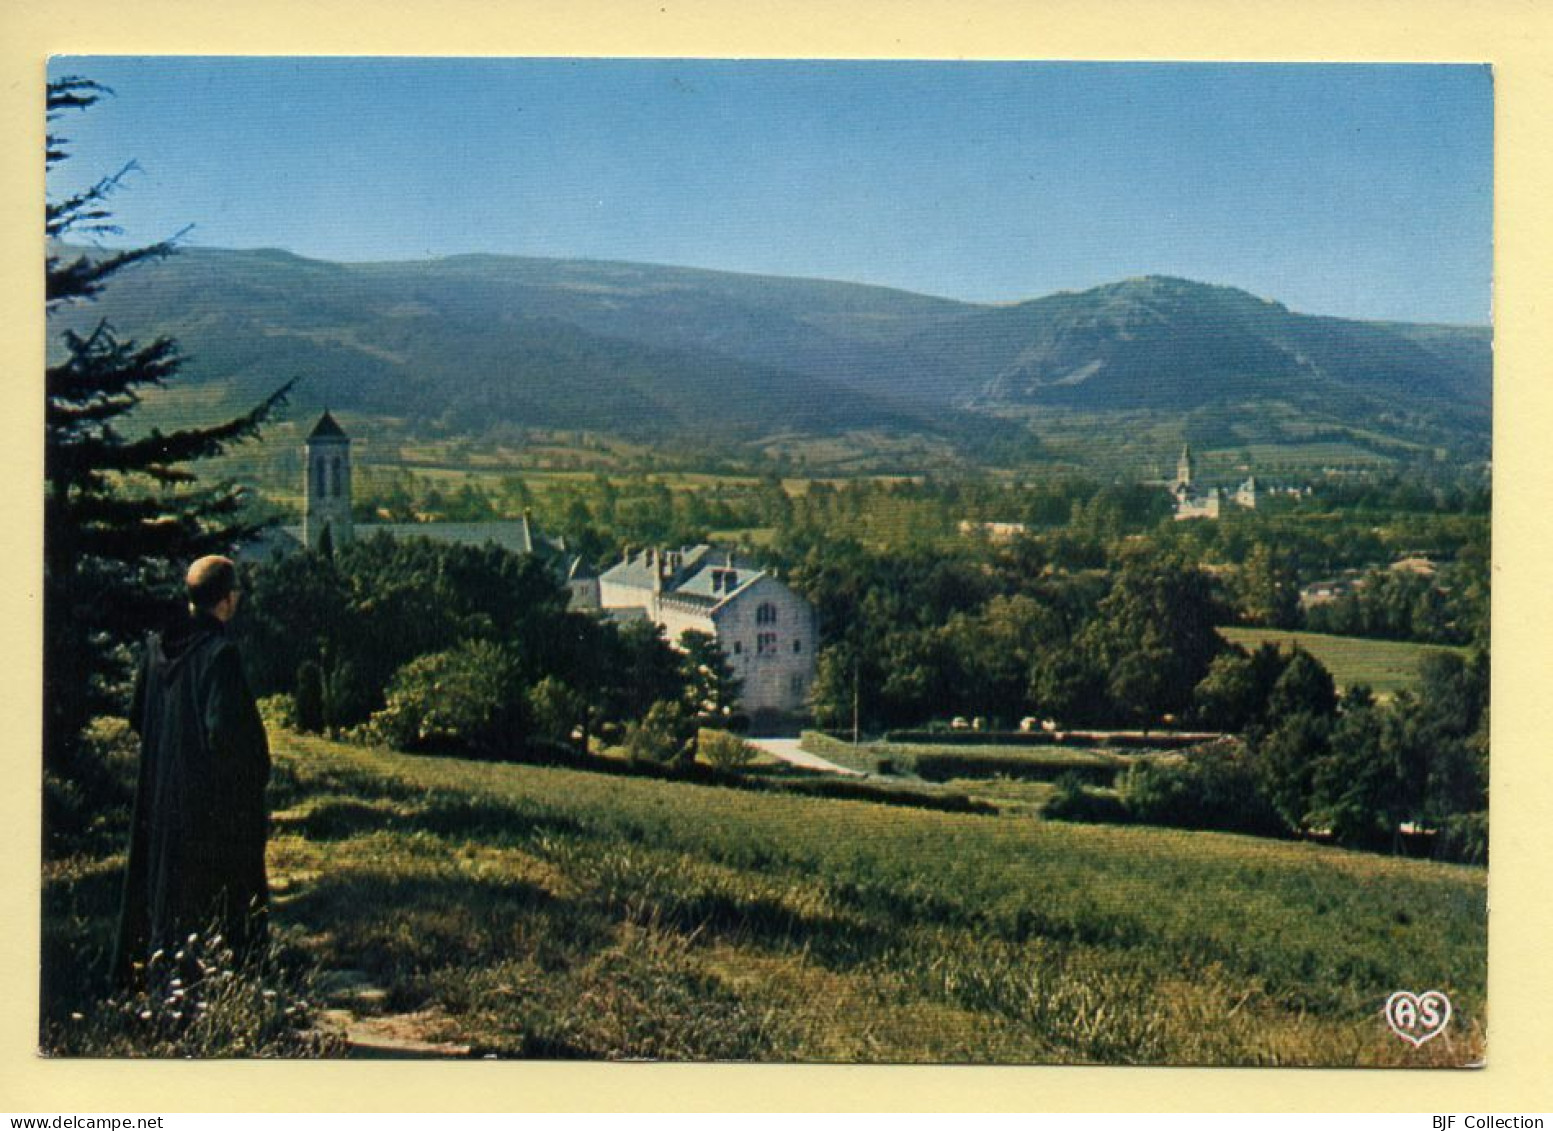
column 327, row 426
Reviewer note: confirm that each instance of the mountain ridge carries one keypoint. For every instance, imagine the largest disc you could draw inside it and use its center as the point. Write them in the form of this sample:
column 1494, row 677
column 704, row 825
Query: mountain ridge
column 675, row 353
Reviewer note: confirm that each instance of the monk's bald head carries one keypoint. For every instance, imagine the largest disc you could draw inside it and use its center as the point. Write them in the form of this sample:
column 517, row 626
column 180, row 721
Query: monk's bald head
column 211, row 580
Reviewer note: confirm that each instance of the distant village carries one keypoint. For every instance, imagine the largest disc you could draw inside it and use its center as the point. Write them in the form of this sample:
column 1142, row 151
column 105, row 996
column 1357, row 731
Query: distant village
column 1190, row 499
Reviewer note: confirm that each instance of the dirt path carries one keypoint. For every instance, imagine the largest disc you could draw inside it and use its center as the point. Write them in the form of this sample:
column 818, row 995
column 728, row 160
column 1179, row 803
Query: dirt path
column 374, row 1035
column 787, row 750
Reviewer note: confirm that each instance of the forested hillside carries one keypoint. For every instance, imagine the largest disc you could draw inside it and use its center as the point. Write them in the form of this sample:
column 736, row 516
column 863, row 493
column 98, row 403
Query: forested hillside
column 486, row 346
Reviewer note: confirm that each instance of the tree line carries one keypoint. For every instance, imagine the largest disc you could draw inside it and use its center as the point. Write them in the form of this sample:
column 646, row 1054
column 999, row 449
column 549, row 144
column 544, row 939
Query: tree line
column 1306, row 761
column 1260, row 559
column 464, row 649
column 1005, row 635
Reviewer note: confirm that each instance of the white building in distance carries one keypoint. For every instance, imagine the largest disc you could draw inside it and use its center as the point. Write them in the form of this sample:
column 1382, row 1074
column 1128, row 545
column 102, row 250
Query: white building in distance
column 768, row 633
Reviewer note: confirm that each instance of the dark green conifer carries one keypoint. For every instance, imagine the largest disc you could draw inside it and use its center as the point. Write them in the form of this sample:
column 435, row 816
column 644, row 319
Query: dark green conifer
column 123, row 514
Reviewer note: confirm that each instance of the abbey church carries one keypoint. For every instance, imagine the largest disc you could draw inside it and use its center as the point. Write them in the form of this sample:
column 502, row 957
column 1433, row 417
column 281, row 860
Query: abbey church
column 326, row 510
column 1191, row 501
column 768, row 633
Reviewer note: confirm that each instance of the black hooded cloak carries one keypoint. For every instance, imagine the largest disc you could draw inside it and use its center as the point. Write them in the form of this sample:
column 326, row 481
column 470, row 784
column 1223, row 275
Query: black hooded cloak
column 196, row 854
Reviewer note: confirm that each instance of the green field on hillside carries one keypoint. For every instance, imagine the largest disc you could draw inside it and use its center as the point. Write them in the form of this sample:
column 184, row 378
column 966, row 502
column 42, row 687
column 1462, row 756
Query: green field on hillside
column 528, row 911
column 1387, row 666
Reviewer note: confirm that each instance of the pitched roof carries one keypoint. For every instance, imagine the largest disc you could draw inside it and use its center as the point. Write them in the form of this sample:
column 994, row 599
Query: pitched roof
column 327, row 429
column 697, row 573
column 513, row 535
column 717, row 582
column 638, row 571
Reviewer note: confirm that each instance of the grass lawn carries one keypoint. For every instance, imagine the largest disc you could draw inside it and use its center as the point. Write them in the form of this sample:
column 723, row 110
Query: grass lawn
column 544, row 912
column 948, row 762
column 1388, row 666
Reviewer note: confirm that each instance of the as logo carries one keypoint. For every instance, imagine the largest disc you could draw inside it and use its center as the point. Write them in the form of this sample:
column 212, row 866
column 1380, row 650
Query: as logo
column 1418, row 1018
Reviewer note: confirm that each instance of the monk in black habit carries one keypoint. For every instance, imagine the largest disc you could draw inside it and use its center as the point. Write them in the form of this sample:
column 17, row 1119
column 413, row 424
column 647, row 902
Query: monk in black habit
column 196, row 854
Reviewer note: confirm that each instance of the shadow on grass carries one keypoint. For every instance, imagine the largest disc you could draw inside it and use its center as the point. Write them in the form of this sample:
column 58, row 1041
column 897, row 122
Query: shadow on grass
column 400, row 928
column 402, row 917
column 490, row 822
column 905, row 905
column 293, row 781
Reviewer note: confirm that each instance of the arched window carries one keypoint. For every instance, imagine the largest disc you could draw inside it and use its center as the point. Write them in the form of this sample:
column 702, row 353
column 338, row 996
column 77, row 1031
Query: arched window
column 320, row 479
column 766, row 613
column 339, row 477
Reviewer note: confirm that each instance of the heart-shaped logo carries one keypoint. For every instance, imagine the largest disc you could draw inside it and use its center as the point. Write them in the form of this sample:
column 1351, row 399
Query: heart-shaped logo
column 1417, row 1018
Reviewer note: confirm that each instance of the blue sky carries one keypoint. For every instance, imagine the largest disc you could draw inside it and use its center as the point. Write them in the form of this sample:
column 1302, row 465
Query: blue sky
column 1363, row 191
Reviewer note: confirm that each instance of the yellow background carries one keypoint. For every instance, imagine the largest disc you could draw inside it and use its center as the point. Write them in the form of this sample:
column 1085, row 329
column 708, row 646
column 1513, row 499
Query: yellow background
column 1513, row 35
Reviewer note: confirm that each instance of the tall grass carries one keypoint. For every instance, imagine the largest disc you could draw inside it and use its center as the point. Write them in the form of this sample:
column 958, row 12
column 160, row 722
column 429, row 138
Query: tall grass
column 540, row 911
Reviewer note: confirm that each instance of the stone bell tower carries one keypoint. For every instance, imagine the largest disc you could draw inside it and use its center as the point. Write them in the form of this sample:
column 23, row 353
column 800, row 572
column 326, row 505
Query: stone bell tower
column 327, row 490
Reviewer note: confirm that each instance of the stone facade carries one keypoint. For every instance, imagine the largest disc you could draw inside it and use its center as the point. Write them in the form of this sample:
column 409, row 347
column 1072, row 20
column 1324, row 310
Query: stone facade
column 767, row 632
column 1192, row 505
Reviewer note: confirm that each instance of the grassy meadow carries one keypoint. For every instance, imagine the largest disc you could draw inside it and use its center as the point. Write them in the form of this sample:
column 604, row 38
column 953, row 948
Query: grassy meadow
column 541, row 912
column 971, row 761
column 1387, row 666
